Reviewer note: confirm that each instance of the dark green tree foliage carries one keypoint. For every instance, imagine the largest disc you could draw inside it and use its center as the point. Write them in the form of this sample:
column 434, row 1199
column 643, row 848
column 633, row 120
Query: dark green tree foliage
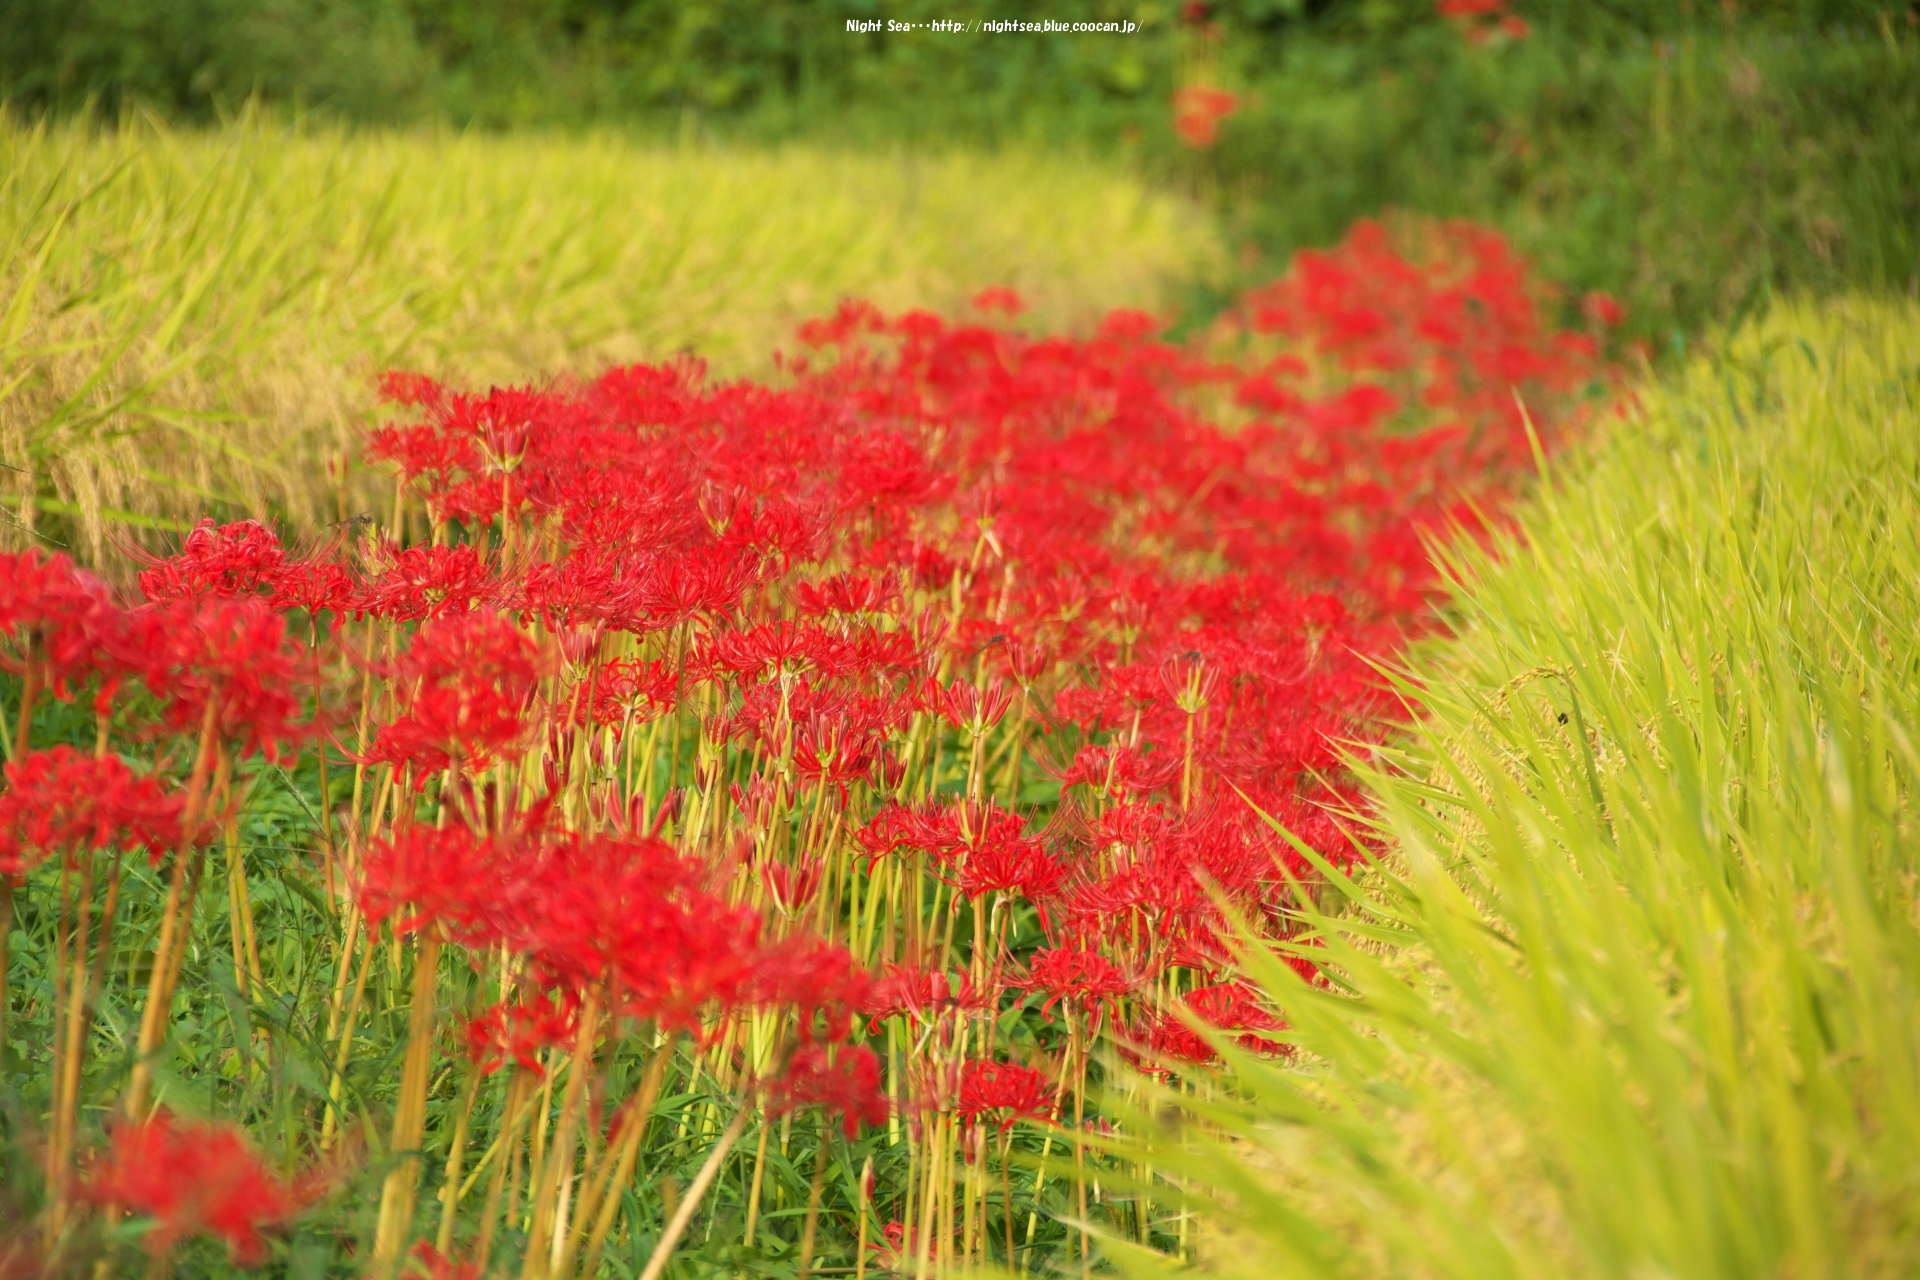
column 549, row 61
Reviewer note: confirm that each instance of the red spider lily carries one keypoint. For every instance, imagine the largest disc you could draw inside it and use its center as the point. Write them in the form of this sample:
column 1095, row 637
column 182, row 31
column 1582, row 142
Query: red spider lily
column 1227, row 1006
column 1085, row 978
column 1161, row 1039
column 422, row 451
column 1197, row 112
column 428, row 1263
column 1232, row 1006
column 843, row 1082
column 820, row 980
column 1120, row 770
column 236, row 559
column 316, row 586
column 832, row 752
column 975, row 710
column 223, row 661
column 60, row 801
column 893, row 827
column 918, row 995
column 630, row 916
column 792, row 887
column 775, row 648
column 977, row 848
column 847, row 593
column 424, row 582
column 448, row 879
column 516, row 1031
column 417, row 390
column 193, row 1177
column 951, row 835
column 634, row 689
column 64, row 618
column 999, row 299
column 1603, row 309
column 1003, row 1086
column 623, row 916
column 1016, row 865
column 470, row 678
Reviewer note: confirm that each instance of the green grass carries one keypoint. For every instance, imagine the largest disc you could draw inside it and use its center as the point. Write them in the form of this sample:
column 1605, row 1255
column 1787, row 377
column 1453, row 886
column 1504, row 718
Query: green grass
column 1632, row 991
column 191, row 320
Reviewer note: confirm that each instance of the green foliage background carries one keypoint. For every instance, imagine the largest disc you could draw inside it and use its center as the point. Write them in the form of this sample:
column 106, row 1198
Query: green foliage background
column 1690, row 158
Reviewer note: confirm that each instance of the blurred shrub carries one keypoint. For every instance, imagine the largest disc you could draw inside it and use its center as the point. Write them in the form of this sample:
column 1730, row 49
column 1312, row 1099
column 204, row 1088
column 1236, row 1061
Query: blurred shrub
column 1693, row 176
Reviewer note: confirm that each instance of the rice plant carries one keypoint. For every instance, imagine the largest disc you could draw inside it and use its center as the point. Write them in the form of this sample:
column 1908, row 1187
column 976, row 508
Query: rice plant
column 1628, row 985
column 193, row 320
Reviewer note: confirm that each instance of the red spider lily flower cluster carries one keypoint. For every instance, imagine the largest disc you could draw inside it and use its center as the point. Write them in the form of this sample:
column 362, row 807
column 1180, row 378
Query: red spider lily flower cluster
column 846, row 1084
column 60, row 801
column 1004, row 1087
column 938, row 699
column 61, row 619
column 470, row 678
column 194, row 1178
column 875, row 607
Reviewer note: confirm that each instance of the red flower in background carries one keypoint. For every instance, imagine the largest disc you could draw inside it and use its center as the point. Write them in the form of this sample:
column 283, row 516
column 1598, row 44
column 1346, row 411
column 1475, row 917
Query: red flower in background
column 467, row 682
column 1603, row 309
column 214, row 559
column 63, row 618
column 1468, row 14
column 843, row 1082
column 516, row 1031
column 1006, row 1087
column 446, row 878
column 192, row 1178
column 60, row 801
column 227, row 663
column 1084, row 977
column 1197, row 112
column 999, row 299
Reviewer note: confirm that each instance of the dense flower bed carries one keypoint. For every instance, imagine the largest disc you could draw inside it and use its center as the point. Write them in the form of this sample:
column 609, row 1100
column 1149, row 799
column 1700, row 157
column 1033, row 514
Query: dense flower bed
column 888, row 741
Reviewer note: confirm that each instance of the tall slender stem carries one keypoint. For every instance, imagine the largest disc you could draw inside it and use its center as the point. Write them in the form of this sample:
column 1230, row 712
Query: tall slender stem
column 456, row 1155
column 759, row 1170
column 813, row 1201
column 409, row 1117
column 6, row 965
column 337, row 1083
column 559, row 1163
column 514, row 1114
column 603, row 1192
column 67, row 1082
column 153, row 1017
column 695, row 1193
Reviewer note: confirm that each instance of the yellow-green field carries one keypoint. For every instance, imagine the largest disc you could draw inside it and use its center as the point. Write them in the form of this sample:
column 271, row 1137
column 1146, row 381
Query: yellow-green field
column 1632, row 990
column 195, row 319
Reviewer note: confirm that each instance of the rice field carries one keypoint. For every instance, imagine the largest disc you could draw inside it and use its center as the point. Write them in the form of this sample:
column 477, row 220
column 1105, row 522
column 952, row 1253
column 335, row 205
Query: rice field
column 1629, row 987
column 192, row 321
